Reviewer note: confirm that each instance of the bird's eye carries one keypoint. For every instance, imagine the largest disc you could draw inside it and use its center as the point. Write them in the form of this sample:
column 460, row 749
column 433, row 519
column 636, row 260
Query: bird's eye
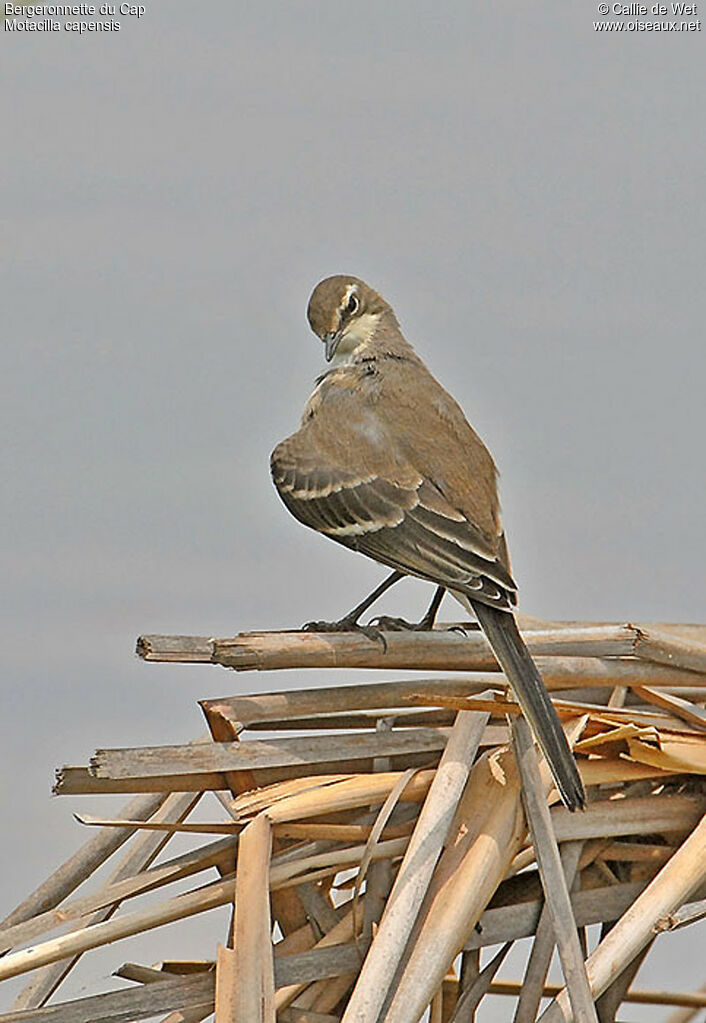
column 352, row 306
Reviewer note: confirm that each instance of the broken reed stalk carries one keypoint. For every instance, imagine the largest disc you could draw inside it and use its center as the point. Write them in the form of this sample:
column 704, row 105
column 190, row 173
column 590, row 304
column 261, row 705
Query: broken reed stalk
column 260, row 753
column 439, row 649
column 79, row 781
column 251, row 966
column 540, row 955
column 551, row 872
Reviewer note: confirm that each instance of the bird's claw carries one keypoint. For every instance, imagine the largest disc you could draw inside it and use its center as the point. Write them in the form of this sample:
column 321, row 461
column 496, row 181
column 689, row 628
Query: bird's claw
column 392, row 624
column 348, row 625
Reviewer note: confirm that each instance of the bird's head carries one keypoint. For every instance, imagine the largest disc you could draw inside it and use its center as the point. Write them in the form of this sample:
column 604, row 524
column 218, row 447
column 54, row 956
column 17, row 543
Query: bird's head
column 345, row 313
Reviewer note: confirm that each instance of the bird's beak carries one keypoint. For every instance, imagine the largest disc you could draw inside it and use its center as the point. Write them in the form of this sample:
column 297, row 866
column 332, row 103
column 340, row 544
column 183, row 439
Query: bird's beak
column 331, row 341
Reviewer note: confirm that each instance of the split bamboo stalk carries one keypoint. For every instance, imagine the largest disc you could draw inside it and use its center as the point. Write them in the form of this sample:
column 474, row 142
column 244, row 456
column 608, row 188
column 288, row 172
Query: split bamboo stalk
column 260, row 753
column 264, row 797
column 552, row 874
column 318, row 704
column 359, row 720
column 347, row 795
column 215, row 828
column 543, row 945
column 78, row 781
column 337, row 706
column 340, row 832
column 253, row 1000
column 269, row 650
column 227, row 983
column 98, row 934
column 684, row 872
column 141, row 974
column 677, row 651
column 318, row 796
column 417, row 866
column 500, row 706
column 597, row 675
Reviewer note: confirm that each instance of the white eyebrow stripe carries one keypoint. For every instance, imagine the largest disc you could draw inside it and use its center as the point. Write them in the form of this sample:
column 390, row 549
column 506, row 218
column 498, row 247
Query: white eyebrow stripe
column 352, row 289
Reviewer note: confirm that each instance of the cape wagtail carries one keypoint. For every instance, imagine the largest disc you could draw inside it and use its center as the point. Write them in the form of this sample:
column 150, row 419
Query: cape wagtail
column 385, row 463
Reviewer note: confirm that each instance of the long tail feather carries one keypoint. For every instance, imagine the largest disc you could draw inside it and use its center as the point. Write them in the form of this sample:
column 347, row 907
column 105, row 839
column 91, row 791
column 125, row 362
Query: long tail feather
column 514, row 658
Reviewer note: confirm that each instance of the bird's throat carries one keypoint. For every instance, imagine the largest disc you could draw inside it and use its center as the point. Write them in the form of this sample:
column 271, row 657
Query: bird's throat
column 356, row 335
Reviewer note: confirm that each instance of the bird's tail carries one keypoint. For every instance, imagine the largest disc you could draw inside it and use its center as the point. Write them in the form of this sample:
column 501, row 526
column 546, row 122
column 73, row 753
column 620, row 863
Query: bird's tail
column 514, row 658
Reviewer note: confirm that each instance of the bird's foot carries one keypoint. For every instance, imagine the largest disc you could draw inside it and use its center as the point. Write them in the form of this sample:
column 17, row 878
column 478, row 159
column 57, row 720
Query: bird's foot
column 426, row 624
column 464, row 629
column 391, row 624
column 348, row 624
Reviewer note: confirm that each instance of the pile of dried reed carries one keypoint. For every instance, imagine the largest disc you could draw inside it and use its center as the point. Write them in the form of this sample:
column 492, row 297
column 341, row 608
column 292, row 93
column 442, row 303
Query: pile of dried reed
column 381, row 835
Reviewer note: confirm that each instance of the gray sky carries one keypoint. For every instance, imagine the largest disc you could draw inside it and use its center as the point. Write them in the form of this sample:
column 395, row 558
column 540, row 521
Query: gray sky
column 528, row 194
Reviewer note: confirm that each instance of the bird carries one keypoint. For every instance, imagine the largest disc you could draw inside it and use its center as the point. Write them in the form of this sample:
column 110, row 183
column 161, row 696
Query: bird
column 386, row 464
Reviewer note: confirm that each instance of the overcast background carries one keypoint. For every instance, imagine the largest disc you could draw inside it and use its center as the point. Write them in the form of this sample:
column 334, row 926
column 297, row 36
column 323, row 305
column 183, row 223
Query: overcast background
column 526, row 192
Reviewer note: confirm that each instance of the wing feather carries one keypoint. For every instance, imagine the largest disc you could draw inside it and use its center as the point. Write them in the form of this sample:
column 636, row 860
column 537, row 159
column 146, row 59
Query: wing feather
column 396, row 526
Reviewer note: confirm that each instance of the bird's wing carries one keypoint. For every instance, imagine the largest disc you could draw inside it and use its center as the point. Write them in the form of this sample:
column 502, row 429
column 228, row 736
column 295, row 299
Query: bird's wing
column 344, row 475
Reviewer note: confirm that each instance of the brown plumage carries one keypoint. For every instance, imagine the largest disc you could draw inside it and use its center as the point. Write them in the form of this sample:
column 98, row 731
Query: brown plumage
column 385, row 463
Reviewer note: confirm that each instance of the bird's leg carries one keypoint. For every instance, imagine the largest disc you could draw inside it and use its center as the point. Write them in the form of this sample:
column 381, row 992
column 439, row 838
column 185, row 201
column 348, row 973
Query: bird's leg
column 425, row 624
column 349, row 622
